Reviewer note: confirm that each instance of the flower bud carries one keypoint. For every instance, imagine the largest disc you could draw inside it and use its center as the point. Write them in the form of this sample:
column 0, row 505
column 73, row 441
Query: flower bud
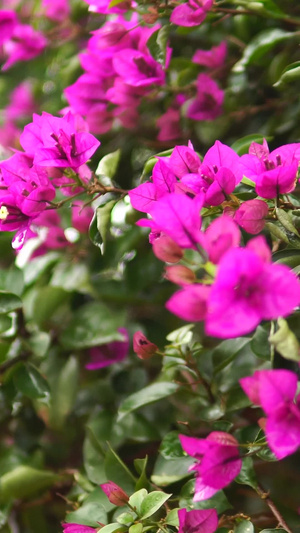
column 115, row 494
column 180, row 274
column 143, row 348
column 166, row 249
column 250, row 216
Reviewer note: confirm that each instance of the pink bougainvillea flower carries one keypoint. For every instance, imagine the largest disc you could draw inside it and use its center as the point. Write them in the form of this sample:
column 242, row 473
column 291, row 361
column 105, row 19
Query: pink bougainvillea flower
column 138, row 69
column 184, row 160
column 81, row 216
column 102, row 6
column 58, row 10
column 165, row 248
column 218, row 462
column 77, row 528
column 180, row 274
column 25, row 43
column 200, row 521
column 273, row 172
column 213, row 58
column 217, row 176
column 251, row 215
column 248, row 290
column 274, row 391
column 221, row 235
column 190, row 303
column 207, row 105
column 21, row 102
column 178, row 216
column 191, row 13
column 169, row 125
column 57, row 142
column 108, row 354
column 8, row 22
column 115, row 494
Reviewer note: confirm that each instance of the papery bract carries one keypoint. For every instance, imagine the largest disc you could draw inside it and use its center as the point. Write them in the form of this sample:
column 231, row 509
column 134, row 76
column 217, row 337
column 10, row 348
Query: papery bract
column 25, row 43
column 197, row 521
column 251, row 215
column 274, row 391
column 191, row 303
column 213, row 58
column 218, row 462
column 77, row 528
column 191, row 13
column 209, row 100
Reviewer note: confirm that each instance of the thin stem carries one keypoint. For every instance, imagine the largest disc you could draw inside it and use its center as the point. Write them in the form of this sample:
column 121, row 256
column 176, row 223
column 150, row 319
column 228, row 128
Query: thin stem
column 266, row 497
column 12, row 362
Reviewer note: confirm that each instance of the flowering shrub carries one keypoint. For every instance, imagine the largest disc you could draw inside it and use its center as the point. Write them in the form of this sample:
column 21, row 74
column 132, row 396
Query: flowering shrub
column 146, row 145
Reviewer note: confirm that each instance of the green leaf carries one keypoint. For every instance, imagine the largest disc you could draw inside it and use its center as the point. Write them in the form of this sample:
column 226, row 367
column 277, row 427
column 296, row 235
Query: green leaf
column 276, row 530
column 152, row 503
column 25, row 481
column 92, row 512
column 136, row 500
column 290, row 74
column 136, row 528
column 277, row 232
column 247, row 474
column 141, row 467
column 157, row 43
column 244, row 527
column 64, row 393
column 286, row 220
column 260, row 342
column 150, row 394
column 168, row 471
column 182, row 335
column 108, row 164
column 46, row 302
column 103, row 214
column 38, row 265
column 117, row 471
column 260, row 45
column 171, row 447
column 172, row 518
column 92, row 324
column 9, row 302
column 113, row 528
column 285, row 341
column 71, row 277
column 31, row 383
column 126, row 518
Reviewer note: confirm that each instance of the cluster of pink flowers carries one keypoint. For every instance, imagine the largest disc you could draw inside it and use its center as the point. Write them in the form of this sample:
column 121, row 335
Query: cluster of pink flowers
column 119, row 70
column 19, row 42
column 52, row 145
column 245, row 287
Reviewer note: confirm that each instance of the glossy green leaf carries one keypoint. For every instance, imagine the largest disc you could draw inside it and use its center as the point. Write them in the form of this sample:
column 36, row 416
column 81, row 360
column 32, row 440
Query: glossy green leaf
column 92, row 325
column 157, row 44
column 92, row 512
column 170, row 447
column 136, row 500
column 285, row 341
column 108, row 164
column 218, row 501
column 260, row 45
column 25, row 481
column 172, row 518
column 152, row 502
column 168, row 471
column 247, row 474
column 150, row 394
column 64, row 393
column 244, row 527
column 241, row 146
column 260, row 342
column 30, row 382
column 290, row 74
column 9, row 302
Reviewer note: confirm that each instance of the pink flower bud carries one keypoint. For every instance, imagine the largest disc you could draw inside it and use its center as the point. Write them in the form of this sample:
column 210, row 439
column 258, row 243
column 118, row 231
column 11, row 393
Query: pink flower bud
column 143, row 348
column 250, row 216
column 115, row 494
column 180, row 274
column 167, row 250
